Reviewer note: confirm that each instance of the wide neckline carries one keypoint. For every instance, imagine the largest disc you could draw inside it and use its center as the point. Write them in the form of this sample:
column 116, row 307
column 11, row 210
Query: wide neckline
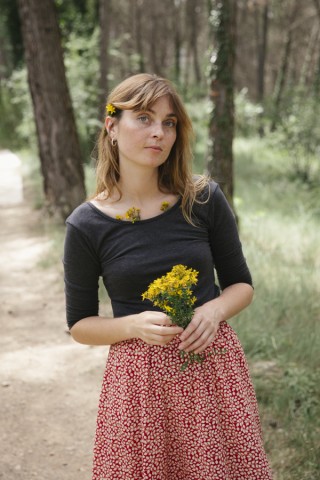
column 138, row 222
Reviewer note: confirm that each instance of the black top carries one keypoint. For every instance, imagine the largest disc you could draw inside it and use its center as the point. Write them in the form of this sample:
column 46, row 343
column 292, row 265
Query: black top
column 129, row 256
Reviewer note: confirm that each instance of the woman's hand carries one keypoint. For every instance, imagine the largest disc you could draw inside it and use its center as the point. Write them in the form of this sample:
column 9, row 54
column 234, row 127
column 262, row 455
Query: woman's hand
column 202, row 329
column 154, row 328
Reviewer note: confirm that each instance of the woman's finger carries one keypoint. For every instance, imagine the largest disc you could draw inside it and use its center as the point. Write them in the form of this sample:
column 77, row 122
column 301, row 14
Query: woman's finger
column 195, row 341
column 201, row 344
column 195, row 333
column 191, row 328
column 163, row 330
column 153, row 339
column 205, row 345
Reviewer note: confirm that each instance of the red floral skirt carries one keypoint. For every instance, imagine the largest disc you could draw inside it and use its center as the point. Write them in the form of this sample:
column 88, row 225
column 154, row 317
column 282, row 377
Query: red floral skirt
column 158, row 423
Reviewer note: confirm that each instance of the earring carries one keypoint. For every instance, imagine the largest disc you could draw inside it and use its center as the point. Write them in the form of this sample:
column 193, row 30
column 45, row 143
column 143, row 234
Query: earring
column 113, row 142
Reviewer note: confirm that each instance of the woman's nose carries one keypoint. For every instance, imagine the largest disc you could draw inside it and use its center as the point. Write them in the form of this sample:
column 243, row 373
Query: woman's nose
column 157, row 130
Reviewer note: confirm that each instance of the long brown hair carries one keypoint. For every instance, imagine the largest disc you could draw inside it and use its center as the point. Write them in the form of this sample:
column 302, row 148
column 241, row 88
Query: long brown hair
column 139, row 92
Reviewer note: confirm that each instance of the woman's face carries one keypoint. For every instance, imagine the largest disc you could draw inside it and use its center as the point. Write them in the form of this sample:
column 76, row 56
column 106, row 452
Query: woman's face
column 145, row 138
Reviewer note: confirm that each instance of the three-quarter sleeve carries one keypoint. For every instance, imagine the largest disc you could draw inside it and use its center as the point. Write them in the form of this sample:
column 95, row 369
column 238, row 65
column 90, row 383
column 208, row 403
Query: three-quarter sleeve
column 229, row 261
column 81, row 275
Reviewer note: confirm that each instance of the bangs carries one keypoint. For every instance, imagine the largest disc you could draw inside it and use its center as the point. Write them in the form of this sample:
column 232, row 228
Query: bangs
column 147, row 97
column 141, row 92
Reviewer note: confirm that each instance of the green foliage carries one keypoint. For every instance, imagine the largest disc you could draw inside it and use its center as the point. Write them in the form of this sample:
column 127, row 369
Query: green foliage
column 17, row 121
column 248, row 115
column 79, row 17
column 18, row 126
column 82, row 67
column 280, row 332
column 199, row 112
column 10, row 37
column 297, row 137
column 299, row 134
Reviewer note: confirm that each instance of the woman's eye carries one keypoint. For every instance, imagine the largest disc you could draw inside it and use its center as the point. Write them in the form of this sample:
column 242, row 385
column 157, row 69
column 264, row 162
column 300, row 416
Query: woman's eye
column 143, row 118
column 170, row 123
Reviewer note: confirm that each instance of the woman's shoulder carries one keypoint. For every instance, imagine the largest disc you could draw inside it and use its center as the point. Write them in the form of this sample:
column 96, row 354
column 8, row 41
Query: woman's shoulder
column 210, row 203
column 82, row 216
column 205, row 187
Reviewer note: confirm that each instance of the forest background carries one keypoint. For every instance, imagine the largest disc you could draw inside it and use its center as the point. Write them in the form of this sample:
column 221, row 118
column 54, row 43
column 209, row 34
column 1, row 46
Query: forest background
column 275, row 164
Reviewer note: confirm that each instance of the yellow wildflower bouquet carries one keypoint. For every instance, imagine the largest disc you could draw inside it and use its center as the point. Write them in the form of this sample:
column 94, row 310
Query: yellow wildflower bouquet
column 173, row 294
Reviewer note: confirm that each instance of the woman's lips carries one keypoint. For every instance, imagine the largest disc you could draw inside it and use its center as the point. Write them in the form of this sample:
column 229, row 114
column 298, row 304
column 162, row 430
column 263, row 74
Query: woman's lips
column 155, row 147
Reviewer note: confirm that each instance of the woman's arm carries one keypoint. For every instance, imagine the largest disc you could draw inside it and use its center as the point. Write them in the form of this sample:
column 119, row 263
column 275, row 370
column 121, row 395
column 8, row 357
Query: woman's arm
column 233, row 274
column 205, row 323
column 154, row 328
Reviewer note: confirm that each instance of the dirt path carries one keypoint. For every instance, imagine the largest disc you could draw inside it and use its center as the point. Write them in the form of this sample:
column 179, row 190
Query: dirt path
column 49, row 385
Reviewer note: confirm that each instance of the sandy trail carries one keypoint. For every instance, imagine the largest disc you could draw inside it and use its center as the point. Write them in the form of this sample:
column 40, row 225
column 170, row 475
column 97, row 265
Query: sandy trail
column 49, row 385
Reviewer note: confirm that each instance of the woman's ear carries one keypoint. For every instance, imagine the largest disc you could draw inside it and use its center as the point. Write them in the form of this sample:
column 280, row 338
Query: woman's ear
column 109, row 124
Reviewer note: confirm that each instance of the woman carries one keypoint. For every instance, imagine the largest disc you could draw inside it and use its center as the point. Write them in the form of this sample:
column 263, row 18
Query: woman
column 148, row 215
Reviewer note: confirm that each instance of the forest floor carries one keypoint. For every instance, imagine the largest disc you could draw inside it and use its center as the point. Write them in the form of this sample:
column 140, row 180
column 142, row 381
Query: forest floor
column 49, row 385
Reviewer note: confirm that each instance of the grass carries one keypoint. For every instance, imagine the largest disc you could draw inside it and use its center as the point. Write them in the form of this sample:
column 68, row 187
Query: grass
column 280, row 231
column 280, row 332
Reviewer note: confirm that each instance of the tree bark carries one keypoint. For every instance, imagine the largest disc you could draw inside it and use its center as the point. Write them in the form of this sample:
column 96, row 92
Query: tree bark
column 262, row 52
column 262, row 42
column 316, row 82
column 281, row 80
column 192, row 22
column 139, row 36
column 177, row 41
column 104, row 21
column 317, row 6
column 282, row 77
column 308, row 62
column 56, row 130
column 221, row 128
column 154, row 39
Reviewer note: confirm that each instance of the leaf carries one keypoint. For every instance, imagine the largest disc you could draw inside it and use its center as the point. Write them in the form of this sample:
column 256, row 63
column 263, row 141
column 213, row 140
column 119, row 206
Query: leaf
column 184, row 366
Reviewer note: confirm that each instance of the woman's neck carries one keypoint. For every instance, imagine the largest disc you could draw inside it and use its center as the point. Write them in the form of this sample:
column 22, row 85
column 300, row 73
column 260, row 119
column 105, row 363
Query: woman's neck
column 139, row 186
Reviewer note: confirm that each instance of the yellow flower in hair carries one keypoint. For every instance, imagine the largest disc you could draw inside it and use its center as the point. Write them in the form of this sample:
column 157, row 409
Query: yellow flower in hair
column 111, row 110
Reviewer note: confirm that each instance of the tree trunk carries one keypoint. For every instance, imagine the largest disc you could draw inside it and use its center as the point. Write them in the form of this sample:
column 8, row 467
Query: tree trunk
column 4, row 62
column 317, row 73
column 317, row 79
column 56, row 130
column 192, row 22
column 221, row 129
column 177, row 41
column 262, row 52
column 104, row 17
column 317, row 6
column 282, row 77
column 281, row 80
column 154, row 40
column 139, row 37
column 307, row 64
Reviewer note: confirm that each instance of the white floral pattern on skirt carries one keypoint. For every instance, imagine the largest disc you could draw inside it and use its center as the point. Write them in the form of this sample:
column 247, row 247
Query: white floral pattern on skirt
column 158, row 423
